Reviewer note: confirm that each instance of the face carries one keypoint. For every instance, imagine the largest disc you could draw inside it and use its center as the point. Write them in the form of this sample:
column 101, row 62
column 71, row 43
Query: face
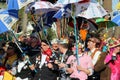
column 44, row 46
column 90, row 44
column 33, row 39
column 10, row 51
column 79, row 49
column 55, row 46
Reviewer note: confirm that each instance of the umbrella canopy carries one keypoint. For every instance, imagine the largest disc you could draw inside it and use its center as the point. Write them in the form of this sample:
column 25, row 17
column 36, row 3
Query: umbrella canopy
column 118, row 6
column 116, row 19
column 7, row 19
column 41, row 7
column 92, row 26
column 18, row 4
column 90, row 10
column 69, row 1
column 105, row 23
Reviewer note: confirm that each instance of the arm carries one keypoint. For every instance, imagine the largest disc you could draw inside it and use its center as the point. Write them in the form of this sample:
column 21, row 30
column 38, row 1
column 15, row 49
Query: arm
column 87, row 71
column 89, row 67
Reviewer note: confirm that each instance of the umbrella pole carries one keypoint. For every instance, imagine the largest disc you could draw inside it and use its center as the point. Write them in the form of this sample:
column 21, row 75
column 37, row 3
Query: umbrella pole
column 33, row 18
column 16, row 42
column 113, row 32
column 75, row 30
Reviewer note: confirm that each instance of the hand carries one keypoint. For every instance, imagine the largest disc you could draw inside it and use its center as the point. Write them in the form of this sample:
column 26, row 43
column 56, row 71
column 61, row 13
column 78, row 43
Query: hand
column 61, row 65
column 32, row 67
column 79, row 67
column 69, row 70
column 50, row 65
column 56, row 62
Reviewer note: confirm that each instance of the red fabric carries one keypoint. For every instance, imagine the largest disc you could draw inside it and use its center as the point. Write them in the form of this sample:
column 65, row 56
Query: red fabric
column 84, row 1
column 2, row 69
column 48, row 53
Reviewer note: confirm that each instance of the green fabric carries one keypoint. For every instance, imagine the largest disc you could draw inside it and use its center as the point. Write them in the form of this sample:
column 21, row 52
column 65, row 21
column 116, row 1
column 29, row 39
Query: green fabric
column 103, row 23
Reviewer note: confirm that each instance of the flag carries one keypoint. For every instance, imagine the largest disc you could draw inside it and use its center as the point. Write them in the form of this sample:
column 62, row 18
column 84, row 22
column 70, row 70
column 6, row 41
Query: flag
column 63, row 12
column 48, row 19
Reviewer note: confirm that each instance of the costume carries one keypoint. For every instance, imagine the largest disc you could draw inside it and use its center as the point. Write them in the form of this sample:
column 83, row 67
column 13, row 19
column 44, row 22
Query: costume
column 43, row 72
column 63, row 59
column 94, row 53
column 114, row 66
column 102, row 68
column 85, row 62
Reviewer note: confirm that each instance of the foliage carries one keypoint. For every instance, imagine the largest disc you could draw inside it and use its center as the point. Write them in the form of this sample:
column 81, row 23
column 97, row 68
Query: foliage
column 50, row 34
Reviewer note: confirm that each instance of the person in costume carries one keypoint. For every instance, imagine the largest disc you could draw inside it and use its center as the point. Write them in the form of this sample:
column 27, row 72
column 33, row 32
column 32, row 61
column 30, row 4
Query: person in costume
column 65, row 53
column 85, row 67
column 93, row 45
column 46, row 68
column 113, row 59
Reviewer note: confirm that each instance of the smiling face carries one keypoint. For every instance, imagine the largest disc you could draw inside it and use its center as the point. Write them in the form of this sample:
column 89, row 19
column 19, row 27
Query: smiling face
column 91, row 44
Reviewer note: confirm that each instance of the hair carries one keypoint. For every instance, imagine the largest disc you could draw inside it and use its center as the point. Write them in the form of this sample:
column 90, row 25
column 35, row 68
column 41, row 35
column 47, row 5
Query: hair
column 46, row 42
column 15, row 47
column 65, row 45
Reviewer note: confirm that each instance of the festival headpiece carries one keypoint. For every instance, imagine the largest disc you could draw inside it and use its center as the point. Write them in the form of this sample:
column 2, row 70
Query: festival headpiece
column 113, row 42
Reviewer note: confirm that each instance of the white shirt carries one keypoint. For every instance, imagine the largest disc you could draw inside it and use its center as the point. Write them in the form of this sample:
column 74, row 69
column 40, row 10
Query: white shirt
column 96, row 56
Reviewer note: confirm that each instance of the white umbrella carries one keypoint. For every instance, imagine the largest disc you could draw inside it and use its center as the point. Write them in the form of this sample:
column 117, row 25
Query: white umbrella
column 41, row 7
column 68, row 1
column 90, row 10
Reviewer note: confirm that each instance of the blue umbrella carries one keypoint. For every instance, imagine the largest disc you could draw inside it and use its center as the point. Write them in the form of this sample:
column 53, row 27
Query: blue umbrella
column 7, row 19
column 116, row 19
column 18, row 4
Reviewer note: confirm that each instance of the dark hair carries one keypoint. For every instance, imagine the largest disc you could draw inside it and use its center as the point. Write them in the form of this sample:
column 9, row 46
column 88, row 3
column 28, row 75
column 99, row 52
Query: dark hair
column 46, row 42
column 14, row 46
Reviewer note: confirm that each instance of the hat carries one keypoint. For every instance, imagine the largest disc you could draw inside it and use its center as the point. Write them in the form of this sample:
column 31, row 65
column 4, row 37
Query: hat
column 34, row 35
column 54, row 41
column 93, row 39
column 113, row 43
column 63, row 41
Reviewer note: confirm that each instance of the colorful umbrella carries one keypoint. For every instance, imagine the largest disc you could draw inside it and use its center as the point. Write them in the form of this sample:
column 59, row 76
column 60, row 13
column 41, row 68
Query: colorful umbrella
column 105, row 23
column 18, row 4
column 7, row 19
column 116, row 19
column 90, row 10
column 41, row 7
column 84, row 26
column 92, row 25
column 118, row 6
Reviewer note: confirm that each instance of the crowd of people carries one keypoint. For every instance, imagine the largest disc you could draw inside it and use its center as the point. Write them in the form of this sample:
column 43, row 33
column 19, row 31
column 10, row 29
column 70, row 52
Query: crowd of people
column 61, row 59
